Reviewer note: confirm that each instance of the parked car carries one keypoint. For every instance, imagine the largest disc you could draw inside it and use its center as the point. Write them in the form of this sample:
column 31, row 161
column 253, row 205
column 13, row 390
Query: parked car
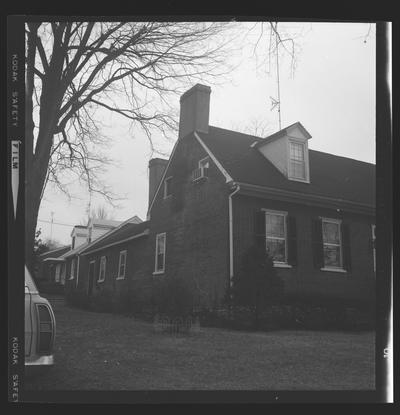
column 40, row 327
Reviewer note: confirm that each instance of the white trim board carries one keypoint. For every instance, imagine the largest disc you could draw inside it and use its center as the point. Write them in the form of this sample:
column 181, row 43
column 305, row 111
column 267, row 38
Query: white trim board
column 146, row 232
column 227, row 176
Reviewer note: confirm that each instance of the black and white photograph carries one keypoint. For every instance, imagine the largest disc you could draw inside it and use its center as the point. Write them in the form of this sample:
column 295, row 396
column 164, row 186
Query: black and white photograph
column 194, row 207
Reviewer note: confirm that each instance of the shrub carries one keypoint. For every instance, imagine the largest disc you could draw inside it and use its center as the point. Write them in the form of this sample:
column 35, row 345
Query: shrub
column 173, row 297
column 257, row 286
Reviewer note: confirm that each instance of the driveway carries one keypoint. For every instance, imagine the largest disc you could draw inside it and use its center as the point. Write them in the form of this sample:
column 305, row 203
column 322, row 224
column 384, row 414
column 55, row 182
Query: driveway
column 100, row 351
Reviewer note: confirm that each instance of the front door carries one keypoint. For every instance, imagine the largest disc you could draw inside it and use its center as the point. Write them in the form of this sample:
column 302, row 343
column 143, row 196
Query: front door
column 91, row 277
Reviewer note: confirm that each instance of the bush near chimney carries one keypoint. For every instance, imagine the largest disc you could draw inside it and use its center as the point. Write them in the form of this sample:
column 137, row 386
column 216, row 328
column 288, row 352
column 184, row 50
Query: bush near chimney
column 257, row 286
column 173, row 297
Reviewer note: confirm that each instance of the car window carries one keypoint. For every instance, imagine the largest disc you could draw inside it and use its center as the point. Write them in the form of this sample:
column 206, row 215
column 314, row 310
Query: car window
column 29, row 283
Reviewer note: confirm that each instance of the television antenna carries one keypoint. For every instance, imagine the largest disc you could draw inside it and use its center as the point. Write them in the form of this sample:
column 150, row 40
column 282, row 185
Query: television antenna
column 276, row 103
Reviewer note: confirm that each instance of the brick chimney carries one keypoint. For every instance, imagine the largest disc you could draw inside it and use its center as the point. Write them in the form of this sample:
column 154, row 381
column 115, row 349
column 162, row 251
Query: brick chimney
column 195, row 110
column 156, row 170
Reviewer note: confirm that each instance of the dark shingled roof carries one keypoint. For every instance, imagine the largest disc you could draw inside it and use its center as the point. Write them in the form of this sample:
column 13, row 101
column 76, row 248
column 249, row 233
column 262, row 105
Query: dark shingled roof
column 55, row 253
column 125, row 231
column 330, row 175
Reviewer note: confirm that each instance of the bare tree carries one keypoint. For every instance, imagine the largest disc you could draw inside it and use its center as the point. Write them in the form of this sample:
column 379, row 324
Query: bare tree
column 75, row 69
column 256, row 126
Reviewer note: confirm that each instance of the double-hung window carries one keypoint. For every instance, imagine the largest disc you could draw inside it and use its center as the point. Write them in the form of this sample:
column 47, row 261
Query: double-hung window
column 160, row 253
column 121, row 265
column 275, row 233
column 102, row 271
column 332, row 243
column 72, row 273
column 297, row 161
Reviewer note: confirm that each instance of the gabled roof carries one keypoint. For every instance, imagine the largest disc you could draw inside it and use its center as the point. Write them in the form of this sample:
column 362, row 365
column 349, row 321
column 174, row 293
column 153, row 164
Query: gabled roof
column 281, row 133
column 104, row 222
column 55, row 253
column 74, row 251
column 331, row 176
column 123, row 233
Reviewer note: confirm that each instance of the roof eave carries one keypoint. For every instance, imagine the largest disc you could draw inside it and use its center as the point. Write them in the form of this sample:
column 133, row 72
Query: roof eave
column 304, row 198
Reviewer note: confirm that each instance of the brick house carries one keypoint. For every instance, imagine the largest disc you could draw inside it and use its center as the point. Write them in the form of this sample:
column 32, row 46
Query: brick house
column 221, row 190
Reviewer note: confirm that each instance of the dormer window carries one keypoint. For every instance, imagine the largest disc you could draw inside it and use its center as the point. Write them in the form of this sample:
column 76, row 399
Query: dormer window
column 287, row 150
column 298, row 163
column 167, row 187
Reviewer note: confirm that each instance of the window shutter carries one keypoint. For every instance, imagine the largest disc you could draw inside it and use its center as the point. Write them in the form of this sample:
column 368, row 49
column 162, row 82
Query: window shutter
column 318, row 248
column 292, row 240
column 259, row 229
column 345, row 230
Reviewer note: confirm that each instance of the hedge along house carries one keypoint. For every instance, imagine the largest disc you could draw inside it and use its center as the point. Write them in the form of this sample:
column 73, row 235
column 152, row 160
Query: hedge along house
column 221, row 190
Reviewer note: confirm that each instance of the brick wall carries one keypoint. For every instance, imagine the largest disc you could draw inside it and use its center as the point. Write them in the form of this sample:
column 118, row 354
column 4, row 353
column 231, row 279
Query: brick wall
column 137, row 263
column 304, row 279
column 195, row 219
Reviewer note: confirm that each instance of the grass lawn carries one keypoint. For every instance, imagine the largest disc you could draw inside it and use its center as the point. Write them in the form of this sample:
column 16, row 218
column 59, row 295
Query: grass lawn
column 96, row 351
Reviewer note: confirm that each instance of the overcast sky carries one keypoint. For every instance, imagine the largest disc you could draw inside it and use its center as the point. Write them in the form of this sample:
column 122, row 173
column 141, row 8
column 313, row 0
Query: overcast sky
column 332, row 93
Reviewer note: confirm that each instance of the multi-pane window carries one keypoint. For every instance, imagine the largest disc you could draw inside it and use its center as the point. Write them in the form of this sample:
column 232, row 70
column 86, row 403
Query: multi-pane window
column 275, row 233
column 57, row 276
column 72, row 276
column 102, row 271
column 297, row 164
column 160, row 253
column 122, row 265
column 167, row 187
column 332, row 244
column 63, row 272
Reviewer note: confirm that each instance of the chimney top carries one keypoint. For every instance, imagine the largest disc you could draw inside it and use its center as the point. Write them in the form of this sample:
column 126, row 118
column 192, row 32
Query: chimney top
column 195, row 109
column 157, row 160
column 195, row 88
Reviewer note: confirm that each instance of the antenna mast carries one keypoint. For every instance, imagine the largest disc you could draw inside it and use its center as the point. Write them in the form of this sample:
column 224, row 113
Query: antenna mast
column 276, row 103
column 277, row 74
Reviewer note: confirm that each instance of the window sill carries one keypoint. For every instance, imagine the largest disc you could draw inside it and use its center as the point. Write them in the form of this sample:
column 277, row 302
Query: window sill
column 71, row 278
column 158, row 272
column 120, row 278
column 281, row 265
column 340, row 270
column 100, row 281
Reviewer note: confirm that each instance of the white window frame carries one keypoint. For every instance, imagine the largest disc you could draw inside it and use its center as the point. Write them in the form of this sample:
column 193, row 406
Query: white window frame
column 203, row 162
column 72, row 273
column 122, row 254
column 156, row 270
column 102, row 276
column 304, row 144
column 57, row 273
column 373, row 230
column 165, row 195
column 63, row 273
column 329, row 267
column 284, row 214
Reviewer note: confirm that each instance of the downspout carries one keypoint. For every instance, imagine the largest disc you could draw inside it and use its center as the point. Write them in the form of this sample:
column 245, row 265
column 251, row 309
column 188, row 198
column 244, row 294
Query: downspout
column 231, row 272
